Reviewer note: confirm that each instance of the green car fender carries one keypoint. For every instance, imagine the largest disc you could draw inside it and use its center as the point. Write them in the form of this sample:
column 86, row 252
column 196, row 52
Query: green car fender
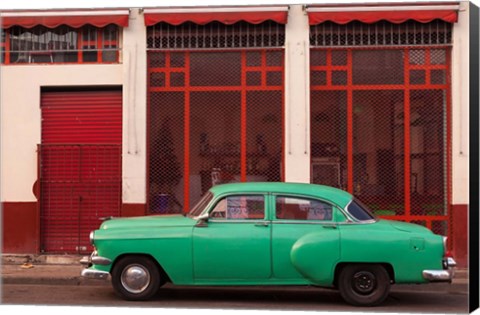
column 316, row 260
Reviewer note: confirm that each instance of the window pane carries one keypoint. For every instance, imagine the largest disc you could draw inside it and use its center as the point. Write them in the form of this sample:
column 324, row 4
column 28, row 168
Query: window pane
column 239, row 208
column 380, row 67
column 289, row 208
column 226, row 72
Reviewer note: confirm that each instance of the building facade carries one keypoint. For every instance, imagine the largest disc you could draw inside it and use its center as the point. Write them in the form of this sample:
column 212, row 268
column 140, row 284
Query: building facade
column 126, row 112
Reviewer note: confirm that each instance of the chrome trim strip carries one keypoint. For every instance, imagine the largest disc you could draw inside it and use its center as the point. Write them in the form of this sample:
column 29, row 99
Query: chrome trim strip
column 94, row 274
column 438, row 275
column 97, row 260
column 314, row 222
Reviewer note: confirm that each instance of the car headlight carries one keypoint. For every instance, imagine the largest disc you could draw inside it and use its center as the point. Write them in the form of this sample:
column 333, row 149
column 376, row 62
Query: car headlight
column 92, row 236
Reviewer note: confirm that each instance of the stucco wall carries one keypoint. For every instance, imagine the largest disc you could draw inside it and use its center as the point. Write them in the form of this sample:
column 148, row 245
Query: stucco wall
column 21, row 116
column 460, row 107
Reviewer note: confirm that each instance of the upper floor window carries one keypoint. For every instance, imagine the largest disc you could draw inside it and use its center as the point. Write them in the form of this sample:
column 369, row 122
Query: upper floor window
column 62, row 44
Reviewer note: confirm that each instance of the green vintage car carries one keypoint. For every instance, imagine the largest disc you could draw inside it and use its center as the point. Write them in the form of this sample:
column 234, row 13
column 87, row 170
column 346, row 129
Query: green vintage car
column 268, row 234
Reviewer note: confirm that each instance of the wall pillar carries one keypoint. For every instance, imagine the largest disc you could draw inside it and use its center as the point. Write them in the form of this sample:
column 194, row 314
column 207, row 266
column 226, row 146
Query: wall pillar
column 297, row 96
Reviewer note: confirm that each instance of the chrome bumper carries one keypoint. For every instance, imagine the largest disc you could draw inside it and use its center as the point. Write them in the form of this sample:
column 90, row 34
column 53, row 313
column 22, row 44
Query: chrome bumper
column 445, row 275
column 95, row 274
column 93, row 259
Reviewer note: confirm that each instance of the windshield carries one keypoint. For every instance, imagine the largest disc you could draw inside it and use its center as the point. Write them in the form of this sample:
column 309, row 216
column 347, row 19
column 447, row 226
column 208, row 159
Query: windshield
column 359, row 211
column 200, row 206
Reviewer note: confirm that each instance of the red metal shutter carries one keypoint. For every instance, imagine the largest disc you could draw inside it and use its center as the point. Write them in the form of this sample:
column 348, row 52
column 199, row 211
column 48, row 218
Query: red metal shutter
column 80, row 166
column 93, row 117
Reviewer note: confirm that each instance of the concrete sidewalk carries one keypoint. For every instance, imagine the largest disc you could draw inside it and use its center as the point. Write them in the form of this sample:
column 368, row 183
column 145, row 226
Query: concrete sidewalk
column 65, row 270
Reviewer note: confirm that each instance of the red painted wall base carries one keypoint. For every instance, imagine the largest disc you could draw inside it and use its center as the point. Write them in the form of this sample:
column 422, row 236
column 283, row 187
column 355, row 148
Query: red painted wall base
column 133, row 209
column 20, row 230
column 460, row 229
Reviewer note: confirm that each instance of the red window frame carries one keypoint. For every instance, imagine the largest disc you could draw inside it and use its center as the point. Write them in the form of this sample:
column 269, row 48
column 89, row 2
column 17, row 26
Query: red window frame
column 243, row 88
column 97, row 44
column 406, row 87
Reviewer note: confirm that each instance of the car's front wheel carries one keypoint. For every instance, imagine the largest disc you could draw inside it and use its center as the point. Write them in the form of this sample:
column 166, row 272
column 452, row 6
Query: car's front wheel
column 136, row 278
column 364, row 284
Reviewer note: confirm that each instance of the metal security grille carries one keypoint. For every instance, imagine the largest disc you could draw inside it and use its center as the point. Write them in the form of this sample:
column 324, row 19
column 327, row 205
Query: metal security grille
column 79, row 185
column 382, row 33
column 214, row 115
column 80, row 166
column 380, row 127
column 215, row 35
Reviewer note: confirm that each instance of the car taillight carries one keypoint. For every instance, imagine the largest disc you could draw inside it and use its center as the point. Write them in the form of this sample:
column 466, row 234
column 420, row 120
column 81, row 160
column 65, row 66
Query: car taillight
column 448, row 260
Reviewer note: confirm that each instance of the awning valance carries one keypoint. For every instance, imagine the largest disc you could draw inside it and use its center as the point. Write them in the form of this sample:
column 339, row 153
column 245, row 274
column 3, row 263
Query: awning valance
column 227, row 16
column 344, row 15
column 75, row 19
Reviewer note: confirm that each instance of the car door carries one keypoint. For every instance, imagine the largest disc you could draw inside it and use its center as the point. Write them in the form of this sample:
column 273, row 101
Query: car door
column 305, row 239
column 234, row 245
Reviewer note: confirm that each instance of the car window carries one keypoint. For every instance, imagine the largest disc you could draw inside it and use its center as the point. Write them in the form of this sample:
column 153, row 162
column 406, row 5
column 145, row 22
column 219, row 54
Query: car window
column 295, row 208
column 239, row 208
column 201, row 204
column 359, row 211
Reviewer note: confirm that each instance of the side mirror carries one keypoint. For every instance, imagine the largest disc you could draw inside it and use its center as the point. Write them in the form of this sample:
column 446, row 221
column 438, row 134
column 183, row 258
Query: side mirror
column 202, row 220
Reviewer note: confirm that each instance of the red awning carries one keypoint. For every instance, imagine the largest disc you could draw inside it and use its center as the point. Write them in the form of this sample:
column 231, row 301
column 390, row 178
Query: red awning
column 75, row 19
column 400, row 16
column 153, row 17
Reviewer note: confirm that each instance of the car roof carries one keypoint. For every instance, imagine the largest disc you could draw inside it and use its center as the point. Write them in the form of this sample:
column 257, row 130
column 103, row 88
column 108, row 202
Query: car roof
column 340, row 197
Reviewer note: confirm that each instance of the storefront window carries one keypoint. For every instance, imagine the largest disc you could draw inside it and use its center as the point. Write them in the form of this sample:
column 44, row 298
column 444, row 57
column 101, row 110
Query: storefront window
column 380, row 112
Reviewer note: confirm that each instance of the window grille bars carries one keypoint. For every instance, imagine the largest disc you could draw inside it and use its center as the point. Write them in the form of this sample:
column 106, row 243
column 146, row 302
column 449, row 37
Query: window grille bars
column 382, row 33
column 215, row 35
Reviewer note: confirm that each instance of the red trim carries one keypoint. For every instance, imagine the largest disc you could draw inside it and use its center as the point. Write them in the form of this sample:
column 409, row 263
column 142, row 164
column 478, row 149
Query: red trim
column 449, row 150
column 342, row 17
column 350, row 187
column 74, row 21
column 7, row 47
column 406, row 124
column 202, row 18
column 243, row 118
column 186, row 184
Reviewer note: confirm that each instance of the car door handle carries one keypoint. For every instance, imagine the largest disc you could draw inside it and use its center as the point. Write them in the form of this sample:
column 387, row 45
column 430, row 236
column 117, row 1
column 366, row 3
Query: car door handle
column 264, row 224
column 329, row 226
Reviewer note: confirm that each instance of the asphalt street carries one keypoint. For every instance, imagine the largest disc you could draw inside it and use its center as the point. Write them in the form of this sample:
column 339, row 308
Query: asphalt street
column 263, row 298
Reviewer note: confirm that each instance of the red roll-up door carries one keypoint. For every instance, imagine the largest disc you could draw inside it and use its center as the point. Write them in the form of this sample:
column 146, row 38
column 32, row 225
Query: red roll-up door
column 80, row 166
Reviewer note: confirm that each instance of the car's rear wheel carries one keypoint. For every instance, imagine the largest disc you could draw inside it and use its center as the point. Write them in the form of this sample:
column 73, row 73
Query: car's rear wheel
column 364, row 284
column 136, row 278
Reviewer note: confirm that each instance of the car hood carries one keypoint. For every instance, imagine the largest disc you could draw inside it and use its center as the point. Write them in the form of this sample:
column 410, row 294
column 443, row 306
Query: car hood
column 175, row 220
column 408, row 227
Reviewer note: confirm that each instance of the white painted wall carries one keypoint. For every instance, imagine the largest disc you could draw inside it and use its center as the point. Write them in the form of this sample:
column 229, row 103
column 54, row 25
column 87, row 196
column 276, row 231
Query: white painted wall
column 20, row 117
column 460, row 107
column 134, row 109
column 297, row 96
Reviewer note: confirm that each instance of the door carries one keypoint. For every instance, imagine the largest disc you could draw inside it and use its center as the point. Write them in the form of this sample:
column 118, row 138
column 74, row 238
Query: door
column 234, row 246
column 305, row 240
column 80, row 166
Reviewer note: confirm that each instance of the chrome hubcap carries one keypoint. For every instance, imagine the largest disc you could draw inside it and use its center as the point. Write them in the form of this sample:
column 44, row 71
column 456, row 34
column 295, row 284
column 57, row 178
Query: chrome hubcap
column 364, row 282
column 135, row 278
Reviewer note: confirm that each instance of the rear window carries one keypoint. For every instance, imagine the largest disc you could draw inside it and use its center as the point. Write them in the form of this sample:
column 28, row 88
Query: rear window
column 359, row 211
